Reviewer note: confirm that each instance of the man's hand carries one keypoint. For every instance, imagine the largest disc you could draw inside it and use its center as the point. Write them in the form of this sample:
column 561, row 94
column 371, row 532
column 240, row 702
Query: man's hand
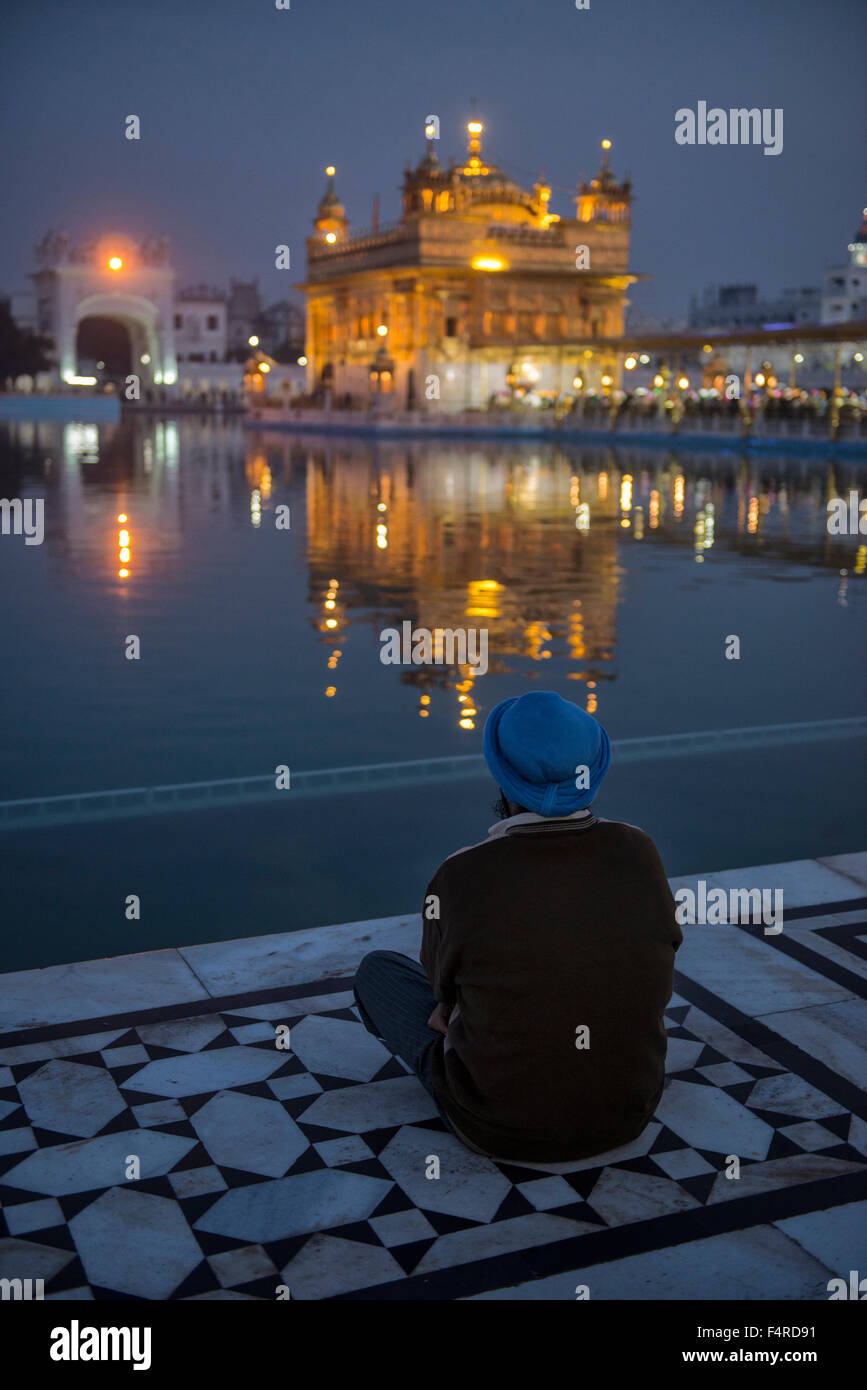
column 439, row 1019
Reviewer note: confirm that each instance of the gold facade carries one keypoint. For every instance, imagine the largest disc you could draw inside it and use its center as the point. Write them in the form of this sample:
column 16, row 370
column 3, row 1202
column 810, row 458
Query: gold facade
column 479, row 288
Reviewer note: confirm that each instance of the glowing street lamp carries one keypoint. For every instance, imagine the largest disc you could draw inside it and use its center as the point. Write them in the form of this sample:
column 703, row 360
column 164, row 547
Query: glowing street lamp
column 683, row 383
column 302, row 361
column 629, row 363
column 115, row 263
column 381, row 330
column 253, row 340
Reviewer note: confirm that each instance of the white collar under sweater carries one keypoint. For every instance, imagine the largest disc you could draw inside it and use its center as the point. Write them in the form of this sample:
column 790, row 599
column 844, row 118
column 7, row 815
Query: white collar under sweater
column 531, row 818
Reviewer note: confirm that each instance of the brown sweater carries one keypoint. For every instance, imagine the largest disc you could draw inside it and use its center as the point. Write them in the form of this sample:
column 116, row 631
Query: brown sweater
column 543, row 929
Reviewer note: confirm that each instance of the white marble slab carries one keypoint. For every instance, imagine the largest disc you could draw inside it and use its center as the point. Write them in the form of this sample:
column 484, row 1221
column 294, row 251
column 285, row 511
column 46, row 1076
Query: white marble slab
column 834, row 1034
column 621, row 1196
column 294, row 1206
column 749, row 973
column 135, row 1242
column 70, row 1098
column 830, row 950
column 481, row 1242
column 759, row 1263
column 402, row 1227
column 836, row 1236
column 33, row 1216
column 716, row 1035
column 707, row 1118
column 87, row 1164
column 243, row 1265
column 56, row 1047
column 804, row 882
column 249, row 1133
column 401, row 1100
column 682, row 1163
column 468, row 1184
column 96, row 989
column 545, row 1194
column 852, row 865
column 294, row 958
column 330, row 1265
column 25, row 1259
column 336, row 1047
column 788, row 1094
column 758, row 1178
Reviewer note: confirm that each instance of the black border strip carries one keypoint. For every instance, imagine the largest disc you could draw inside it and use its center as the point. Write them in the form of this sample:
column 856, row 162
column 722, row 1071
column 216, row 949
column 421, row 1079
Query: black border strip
column 579, row 1254
column 226, row 1002
column 194, row 1008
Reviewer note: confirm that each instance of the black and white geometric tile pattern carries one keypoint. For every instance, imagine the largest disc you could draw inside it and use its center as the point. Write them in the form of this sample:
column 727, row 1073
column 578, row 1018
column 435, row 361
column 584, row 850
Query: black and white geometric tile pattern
column 308, row 1168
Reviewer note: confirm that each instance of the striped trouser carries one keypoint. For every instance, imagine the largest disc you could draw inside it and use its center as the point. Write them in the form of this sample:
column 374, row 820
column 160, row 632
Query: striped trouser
column 395, row 1001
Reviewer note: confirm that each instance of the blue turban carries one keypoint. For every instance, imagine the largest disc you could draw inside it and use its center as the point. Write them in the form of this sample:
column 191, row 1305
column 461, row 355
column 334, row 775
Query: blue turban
column 533, row 744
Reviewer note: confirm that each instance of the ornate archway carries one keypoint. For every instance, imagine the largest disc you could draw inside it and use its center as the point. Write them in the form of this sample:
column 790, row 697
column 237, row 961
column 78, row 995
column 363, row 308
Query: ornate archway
column 110, row 278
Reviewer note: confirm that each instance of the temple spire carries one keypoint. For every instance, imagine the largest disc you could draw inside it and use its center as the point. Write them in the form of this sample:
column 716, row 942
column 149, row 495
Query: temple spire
column 474, row 141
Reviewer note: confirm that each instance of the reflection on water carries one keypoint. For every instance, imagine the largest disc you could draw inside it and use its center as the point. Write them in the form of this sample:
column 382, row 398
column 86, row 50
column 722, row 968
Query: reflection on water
column 615, row 578
column 548, row 548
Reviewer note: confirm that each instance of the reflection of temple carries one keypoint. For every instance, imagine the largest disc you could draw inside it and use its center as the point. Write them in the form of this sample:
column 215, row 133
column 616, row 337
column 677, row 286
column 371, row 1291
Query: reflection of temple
column 411, row 534
column 479, row 288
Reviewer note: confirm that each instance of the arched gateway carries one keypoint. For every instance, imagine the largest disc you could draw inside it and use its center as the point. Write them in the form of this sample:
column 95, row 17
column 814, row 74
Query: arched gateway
column 113, row 283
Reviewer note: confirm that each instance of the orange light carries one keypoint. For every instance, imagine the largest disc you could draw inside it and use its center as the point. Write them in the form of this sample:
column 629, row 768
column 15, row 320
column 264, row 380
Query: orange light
column 123, row 517
column 115, row 263
column 122, row 574
column 123, row 538
column 124, row 554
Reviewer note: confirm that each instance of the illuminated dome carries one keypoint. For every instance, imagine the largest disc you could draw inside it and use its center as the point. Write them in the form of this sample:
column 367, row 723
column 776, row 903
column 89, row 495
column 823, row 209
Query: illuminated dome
column 472, row 185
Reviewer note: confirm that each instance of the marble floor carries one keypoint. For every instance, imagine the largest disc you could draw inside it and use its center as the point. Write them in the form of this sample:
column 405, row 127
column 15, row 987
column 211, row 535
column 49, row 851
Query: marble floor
column 155, row 1143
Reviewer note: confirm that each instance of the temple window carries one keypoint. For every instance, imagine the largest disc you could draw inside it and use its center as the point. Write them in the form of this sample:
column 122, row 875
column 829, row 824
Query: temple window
column 427, row 198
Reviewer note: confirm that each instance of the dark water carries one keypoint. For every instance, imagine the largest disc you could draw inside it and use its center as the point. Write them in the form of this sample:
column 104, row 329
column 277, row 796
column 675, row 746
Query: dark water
column 245, row 664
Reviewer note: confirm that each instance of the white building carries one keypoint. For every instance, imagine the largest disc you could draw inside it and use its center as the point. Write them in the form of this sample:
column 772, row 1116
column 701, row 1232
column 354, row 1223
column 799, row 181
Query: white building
column 109, row 298
column 844, row 292
column 200, row 325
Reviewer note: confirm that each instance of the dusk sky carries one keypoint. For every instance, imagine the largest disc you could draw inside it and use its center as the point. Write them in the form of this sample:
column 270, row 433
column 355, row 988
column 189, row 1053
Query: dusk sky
column 242, row 105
